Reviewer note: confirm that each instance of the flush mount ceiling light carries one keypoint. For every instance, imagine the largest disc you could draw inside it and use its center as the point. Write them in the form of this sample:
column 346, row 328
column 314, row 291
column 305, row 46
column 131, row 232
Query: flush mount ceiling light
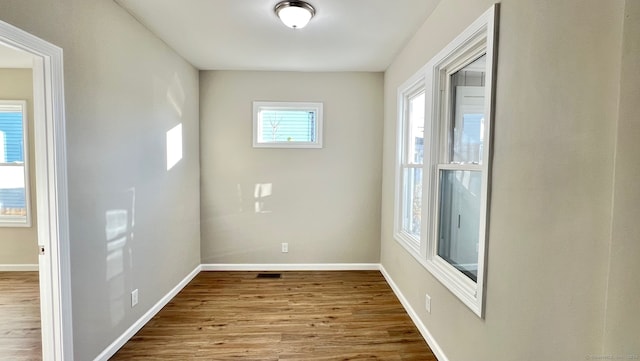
column 295, row 14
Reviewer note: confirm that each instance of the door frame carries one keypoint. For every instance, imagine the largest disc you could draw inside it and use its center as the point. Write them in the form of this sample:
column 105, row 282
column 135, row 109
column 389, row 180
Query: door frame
column 51, row 188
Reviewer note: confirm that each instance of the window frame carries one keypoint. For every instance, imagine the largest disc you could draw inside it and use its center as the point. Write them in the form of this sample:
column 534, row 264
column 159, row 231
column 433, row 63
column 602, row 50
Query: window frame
column 477, row 39
column 300, row 106
column 19, row 221
column 406, row 92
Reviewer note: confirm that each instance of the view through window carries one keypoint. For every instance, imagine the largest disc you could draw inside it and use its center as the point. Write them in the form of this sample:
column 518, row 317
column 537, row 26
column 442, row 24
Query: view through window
column 14, row 200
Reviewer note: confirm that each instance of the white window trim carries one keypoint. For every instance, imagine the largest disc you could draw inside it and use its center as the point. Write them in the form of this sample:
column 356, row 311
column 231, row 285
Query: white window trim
column 15, row 221
column 316, row 106
column 479, row 38
column 411, row 87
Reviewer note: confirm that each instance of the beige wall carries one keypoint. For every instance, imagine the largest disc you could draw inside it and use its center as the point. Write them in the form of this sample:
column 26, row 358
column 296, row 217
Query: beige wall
column 551, row 229
column 133, row 224
column 556, row 111
column 325, row 202
column 622, row 323
column 18, row 245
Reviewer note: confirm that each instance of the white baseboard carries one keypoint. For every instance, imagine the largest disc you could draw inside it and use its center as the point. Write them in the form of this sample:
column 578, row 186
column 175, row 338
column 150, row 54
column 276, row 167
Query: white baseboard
column 437, row 350
column 18, row 267
column 292, row 267
column 131, row 331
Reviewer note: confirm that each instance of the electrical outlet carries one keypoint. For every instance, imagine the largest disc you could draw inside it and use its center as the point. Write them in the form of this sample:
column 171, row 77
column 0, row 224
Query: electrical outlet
column 427, row 302
column 285, row 247
column 134, row 297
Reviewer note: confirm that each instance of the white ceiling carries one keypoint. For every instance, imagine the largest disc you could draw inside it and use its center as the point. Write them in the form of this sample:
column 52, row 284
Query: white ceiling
column 345, row 35
column 11, row 58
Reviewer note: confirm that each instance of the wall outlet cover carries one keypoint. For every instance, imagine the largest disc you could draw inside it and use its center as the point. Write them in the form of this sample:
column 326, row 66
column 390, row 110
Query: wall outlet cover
column 427, row 303
column 134, row 297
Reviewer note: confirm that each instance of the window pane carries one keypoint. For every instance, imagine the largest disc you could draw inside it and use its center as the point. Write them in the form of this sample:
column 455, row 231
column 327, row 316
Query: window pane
column 468, row 115
column 12, row 192
column 11, row 135
column 459, row 216
column 412, row 200
column 13, row 204
column 416, row 129
column 287, row 125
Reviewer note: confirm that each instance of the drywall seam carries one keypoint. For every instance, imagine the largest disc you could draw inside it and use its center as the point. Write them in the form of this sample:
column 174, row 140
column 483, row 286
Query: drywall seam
column 613, row 188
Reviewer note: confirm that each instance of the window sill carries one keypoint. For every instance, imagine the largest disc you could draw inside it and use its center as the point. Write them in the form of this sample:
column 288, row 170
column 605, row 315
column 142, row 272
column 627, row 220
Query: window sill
column 455, row 281
column 287, row 145
column 408, row 242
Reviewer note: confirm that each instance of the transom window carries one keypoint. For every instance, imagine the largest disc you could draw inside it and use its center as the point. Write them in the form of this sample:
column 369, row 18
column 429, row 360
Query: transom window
column 442, row 195
column 287, row 125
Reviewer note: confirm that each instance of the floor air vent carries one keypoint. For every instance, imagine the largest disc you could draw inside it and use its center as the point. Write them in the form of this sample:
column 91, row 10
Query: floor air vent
column 269, row 275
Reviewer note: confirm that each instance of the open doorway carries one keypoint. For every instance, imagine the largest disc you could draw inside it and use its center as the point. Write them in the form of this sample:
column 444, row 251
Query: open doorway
column 51, row 211
column 19, row 285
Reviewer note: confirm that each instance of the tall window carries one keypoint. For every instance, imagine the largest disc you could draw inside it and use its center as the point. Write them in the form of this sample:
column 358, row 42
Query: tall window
column 14, row 175
column 409, row 216
column 287, row 125
column 460, row 167
column 454, row 164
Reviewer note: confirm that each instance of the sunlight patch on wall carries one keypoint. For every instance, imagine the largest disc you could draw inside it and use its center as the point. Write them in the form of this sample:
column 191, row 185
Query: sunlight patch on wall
column 116, row 227
column 176, row 95
column 174, row 146
column 261, row 192
column 119, row 221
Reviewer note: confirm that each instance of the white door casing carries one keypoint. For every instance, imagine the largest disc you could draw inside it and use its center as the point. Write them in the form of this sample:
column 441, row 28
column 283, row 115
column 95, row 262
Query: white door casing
column 51, row 187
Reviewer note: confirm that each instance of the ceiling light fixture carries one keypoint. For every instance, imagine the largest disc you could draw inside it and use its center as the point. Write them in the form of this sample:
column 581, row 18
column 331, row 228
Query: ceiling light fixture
column 294, row 14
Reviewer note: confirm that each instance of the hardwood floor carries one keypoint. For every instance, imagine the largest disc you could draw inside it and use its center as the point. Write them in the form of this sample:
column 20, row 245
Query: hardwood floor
column 310, row 316
column 20, row 316
column 304, row 316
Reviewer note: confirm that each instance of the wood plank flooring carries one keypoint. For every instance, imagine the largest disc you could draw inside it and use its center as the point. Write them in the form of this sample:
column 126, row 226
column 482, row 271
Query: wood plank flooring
column 20, row 338
column 304, row 316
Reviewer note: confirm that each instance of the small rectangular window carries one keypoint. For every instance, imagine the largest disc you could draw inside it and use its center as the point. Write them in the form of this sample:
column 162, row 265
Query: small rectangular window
column 14, row 170
column 287, row 125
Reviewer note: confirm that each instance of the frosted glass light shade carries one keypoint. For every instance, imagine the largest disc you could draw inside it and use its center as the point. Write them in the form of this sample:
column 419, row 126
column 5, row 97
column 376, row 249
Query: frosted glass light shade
column 294, row 14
